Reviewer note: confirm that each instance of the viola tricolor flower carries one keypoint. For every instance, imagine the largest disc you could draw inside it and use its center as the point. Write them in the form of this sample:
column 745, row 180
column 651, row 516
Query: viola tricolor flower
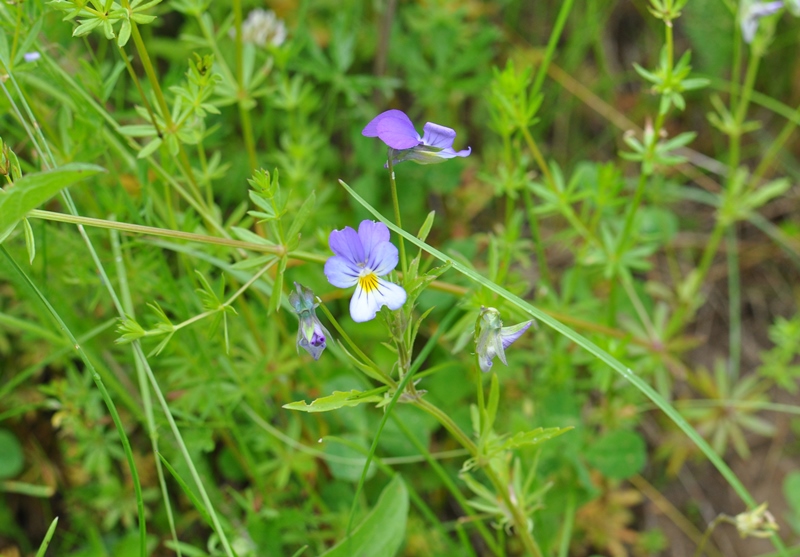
column 361, row 259
column 751, row 11
column 310, row 332
column 493, row 339
column 395, row 129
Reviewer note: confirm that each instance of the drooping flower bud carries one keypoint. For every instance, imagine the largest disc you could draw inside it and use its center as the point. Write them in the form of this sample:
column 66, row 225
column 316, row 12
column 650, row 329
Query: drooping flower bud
column 492, row 339
column 310, row 332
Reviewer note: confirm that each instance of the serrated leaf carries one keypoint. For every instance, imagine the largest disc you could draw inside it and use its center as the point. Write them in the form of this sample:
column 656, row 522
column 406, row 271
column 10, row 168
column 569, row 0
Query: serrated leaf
column 339, row 399
column 382, row 532
column 32, row 190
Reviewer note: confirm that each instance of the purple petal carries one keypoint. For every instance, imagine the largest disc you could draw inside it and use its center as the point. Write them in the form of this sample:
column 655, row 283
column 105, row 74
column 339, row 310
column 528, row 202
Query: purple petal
column 511, row 334
column 31, row 56
column 383, row 259
column 371, row 234
column 438, row 136
column 371, row 129
column 365, row 305
column 752, row 14
column 450, row 153
column 765, row 9
column 346, row 243
column 398, row 132
column 340, row 272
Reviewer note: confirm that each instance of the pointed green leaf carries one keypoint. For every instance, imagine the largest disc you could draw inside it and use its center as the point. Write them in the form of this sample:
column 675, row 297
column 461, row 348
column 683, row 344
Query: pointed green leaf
column 532, row 437
column 32, row 190
column 302, row 215
column 338, row 399
column 150, row 148
column 30, row 241
column 277, row 287
column 382, row 532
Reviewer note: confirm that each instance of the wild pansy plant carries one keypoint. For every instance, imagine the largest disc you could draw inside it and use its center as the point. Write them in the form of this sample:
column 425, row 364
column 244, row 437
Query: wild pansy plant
column 361, row 259
column 396, row 130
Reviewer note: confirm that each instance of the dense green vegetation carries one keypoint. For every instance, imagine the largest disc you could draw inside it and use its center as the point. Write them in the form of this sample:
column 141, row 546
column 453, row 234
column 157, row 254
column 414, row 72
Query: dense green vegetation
column 574, row 332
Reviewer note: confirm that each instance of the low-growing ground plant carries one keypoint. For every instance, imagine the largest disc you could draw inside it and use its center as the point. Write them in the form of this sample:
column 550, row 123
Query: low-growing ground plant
column 424, row 278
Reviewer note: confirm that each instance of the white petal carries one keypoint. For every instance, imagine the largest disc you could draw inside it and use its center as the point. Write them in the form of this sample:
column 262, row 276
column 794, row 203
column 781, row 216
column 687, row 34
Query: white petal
column 365, row 305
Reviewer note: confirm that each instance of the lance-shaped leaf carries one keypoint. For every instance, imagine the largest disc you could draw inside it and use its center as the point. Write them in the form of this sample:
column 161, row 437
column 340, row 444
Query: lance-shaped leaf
column 32, row 190
column 338, row 399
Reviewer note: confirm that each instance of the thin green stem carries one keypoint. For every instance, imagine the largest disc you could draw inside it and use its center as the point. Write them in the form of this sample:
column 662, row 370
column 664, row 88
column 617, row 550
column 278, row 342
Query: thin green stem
column 774, row 148
column 177, row 234
column 536, row 235
column 568, row 211
column 244, row 113
column 184, row 450
column 622, row 243
column 714, row 523
column 694, row 281
column 112, row 409
column 569, row 523
column 400, row 390
column 144, row 389
column 552, row 43
column 449, row 484
column 734, row 304
column 365, row 360
column 396, row 205
column 171, row 128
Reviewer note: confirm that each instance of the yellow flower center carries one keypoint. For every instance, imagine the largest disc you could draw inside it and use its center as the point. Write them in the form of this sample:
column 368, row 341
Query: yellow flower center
column 368, row 282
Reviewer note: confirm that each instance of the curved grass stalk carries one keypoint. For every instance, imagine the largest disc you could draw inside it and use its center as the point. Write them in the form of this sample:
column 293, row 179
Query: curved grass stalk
column 147, row 402
column 98, row 381
column 587, row 345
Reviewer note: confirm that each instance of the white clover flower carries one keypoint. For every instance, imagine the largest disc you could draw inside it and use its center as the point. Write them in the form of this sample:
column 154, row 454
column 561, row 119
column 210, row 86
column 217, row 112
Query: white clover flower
column 262, row 27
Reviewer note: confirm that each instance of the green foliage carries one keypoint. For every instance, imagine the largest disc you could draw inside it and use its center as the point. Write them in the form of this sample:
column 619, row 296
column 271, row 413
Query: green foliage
column 231, row 142
column 338, row 399
column 13, row 459
column 618, row 455
column 32, row 190
column 382, row 531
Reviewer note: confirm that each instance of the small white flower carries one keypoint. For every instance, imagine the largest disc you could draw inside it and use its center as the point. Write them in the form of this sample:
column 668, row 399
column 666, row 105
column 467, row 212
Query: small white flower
column 31, row 56
column 262, row 27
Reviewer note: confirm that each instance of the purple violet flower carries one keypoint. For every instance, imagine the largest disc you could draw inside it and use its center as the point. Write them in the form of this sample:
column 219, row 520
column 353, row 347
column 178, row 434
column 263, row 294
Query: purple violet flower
column 493, row 339
column 310, row 332
column 396, row 130
column 751, row 12
column 361, row 258
column 31, row 56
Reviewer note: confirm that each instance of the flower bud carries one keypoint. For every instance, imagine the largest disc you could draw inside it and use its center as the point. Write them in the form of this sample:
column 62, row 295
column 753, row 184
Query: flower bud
column 310, row 332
